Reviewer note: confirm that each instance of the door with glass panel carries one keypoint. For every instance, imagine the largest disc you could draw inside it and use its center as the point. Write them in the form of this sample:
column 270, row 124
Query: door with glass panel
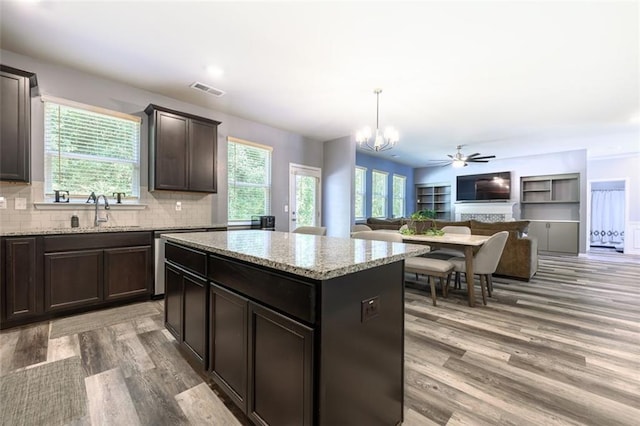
column 304, row 196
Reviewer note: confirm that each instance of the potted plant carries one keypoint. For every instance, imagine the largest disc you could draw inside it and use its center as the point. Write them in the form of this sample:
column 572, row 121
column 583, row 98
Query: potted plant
column 421, row 220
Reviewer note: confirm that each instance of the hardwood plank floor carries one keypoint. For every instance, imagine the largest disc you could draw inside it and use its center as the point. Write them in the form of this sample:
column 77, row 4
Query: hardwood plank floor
column 561, row 349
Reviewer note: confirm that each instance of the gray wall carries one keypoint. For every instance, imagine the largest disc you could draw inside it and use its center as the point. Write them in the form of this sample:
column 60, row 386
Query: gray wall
column 620, row 168
column 337, row 186
column 81, row 87
column 547, row 164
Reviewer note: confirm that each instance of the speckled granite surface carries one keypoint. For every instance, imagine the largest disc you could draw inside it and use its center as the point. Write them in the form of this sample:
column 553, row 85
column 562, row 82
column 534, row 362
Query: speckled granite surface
column 309, row 256
column 92, row 229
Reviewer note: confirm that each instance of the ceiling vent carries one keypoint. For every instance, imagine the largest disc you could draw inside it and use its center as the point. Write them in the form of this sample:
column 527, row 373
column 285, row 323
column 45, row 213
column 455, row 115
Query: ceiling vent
column 207, row 89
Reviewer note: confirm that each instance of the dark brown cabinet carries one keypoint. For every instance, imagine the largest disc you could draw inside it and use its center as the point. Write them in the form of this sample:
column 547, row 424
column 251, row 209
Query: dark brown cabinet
column 91, row 269
column 126, row 272
column 173, row 300
column 15, row 123
column 182, row 151
column 22, row 277
column 44, row 276
column 228, row 331
column 289, row 349
column 280, row 363
column 72, row 279
column 186, row 300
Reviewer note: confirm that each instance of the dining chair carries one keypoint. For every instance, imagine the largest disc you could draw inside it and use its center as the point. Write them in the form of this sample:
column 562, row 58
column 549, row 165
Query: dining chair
column 360, row 228
column 310, row 230
column 448, row 253
column 417, row 265
column 485, row 262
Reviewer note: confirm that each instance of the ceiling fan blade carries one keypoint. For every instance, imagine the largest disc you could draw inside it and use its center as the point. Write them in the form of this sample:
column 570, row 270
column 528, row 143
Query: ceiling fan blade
column 484, row 157
column 450, row 156
column 478, row 161
column 473, row 155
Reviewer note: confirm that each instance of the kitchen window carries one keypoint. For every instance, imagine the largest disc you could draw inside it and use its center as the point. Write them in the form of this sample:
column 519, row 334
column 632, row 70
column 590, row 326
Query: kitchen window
column 399, row 195
column 379, row 194
column 361, row 192
column 249, row 175
column 89, row 149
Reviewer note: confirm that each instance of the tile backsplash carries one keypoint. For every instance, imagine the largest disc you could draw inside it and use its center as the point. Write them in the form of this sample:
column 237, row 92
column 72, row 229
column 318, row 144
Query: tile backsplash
column 159, row 211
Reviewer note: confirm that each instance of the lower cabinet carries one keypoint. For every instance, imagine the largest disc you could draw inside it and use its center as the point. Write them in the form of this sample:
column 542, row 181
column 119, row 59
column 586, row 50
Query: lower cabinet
column 186, row 301
column 561, row 237
column 47, row 275
column 262, row 359
column 194, row 314
column 280, row 365
column 126, row 272
column 72, row 279
column 228, row 342
column 22, row 277
column 173, row 300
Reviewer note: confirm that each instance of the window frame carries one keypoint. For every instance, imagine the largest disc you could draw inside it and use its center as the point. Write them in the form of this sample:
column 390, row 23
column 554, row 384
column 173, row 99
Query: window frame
column 362, row 192
column 268, row 186
column 395, row 196
column 382, row 196
column 49, row 155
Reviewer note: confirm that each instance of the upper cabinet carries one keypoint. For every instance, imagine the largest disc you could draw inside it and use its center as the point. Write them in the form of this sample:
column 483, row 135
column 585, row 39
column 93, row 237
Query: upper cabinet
column 15, row 123
column 182, row 151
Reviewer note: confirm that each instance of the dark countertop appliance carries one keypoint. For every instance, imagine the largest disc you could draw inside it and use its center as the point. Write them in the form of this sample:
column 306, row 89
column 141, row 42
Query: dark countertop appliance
column 263, row 222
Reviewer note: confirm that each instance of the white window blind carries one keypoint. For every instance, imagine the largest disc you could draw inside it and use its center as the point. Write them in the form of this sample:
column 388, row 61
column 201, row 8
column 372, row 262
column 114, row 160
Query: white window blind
column 379, row 194
column 361, row 192
column 88, row 151
column 399, row 195
column 249, row 174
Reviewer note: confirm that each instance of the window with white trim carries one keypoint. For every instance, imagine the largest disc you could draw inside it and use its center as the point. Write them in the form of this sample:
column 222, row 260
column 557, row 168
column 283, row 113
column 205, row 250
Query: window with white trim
column 249, row 180
column 399, row 195
column 360, row 192
column 379, row 193
column 89, row 149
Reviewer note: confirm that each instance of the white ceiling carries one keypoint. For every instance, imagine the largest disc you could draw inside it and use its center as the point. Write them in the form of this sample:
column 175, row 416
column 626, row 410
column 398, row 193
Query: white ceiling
column 503, row 78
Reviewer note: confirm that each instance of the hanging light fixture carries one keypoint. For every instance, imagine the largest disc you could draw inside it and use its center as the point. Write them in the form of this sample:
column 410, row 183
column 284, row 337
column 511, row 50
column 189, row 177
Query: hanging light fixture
column 378, row 141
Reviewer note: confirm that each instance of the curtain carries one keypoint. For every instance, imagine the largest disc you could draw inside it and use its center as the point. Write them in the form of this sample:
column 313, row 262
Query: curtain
column 607, row 216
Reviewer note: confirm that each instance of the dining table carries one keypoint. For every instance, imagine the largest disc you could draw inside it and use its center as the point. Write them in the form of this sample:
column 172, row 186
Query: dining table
column 467, row 243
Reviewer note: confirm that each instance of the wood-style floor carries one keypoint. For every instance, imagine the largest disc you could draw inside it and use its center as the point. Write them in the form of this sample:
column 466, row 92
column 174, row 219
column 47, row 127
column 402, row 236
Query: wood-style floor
column 563, row 348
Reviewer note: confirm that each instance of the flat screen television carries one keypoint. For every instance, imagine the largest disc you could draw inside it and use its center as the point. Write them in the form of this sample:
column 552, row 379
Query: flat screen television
column 484, row 187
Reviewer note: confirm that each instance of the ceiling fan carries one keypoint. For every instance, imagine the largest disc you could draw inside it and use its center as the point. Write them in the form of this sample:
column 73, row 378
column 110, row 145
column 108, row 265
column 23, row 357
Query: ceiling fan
column 460, row 160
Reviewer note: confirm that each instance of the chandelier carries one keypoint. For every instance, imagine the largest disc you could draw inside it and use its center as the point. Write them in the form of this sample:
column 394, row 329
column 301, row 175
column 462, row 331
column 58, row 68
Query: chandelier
column 378, row 141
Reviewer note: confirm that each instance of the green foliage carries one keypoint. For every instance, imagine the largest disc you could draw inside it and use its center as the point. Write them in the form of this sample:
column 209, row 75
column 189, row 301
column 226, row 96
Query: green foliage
column 425, row 214
column 433, row 232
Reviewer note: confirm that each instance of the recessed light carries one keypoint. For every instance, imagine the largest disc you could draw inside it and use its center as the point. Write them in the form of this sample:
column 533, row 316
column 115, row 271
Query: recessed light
column 215, row 71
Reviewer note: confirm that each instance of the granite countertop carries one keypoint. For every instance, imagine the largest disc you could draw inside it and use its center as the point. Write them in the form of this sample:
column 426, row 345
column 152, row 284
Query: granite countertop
column 101, row 229
column 309, row 256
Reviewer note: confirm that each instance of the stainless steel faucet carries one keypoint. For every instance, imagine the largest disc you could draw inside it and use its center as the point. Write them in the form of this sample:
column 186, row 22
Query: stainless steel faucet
column 98, row 220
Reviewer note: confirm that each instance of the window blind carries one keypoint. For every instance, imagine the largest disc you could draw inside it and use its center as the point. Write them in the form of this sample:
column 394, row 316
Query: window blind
column 399, row 195
column 87, row 151
column 249, row 180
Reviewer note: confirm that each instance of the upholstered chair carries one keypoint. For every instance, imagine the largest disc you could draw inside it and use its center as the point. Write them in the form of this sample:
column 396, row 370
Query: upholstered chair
column 417, row 265
column 311, row 230
column 448, row 253
column 360, row 228
column 485, row 262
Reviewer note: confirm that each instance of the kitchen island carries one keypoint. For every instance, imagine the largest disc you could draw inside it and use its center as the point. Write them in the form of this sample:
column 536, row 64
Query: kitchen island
column 294, row 328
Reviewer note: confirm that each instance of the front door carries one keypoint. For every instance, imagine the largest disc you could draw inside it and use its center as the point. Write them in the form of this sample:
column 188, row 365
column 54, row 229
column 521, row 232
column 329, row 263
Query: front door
column 304, row 196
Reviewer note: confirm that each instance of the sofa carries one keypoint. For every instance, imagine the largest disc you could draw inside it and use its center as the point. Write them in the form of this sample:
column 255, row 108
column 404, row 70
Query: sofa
column 520, row 256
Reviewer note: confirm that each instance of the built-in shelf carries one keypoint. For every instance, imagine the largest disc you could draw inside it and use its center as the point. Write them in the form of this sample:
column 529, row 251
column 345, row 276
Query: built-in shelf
column 436, row 197
column 563, row 188
column 552, row 204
